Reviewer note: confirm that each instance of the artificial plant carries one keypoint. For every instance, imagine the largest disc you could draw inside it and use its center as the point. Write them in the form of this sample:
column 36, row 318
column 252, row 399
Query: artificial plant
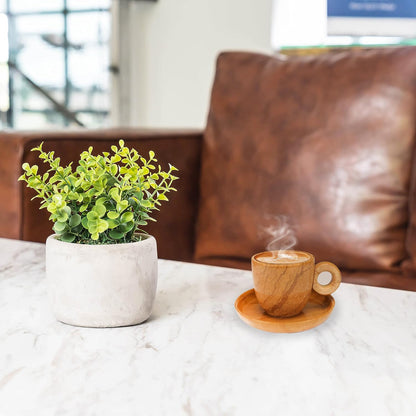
column 106, row 199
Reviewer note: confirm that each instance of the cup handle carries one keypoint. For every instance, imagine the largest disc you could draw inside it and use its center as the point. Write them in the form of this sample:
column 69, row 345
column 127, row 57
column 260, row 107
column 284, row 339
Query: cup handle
column 332, row 286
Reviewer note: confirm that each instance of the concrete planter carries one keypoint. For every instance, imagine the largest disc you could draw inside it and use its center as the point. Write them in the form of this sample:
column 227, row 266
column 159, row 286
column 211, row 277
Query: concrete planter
column 101, row 285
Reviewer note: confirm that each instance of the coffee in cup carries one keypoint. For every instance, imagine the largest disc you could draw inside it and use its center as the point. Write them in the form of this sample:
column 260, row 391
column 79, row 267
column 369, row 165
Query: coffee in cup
column 283, row 281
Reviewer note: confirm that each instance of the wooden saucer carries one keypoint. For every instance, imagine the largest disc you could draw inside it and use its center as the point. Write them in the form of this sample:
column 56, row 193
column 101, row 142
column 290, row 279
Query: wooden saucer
column 316, row 311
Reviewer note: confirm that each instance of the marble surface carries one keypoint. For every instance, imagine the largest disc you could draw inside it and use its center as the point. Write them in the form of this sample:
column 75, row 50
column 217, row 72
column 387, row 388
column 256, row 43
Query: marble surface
column 194, row 356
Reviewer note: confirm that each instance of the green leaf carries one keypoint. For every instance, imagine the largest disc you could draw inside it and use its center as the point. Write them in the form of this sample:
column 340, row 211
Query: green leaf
column 98, row 186
column 61, row 215
column 125, row 228
column 133, row 203
column 57, row 199
column 138, row 194
column 84, row 223
column 74, row 220
column 95, row 236
column 101, row 201
column 115, row 158
column 67, row 237
column 73, row 196
column 115, row 194
column 92, row 227
column 77, row 230
column 113, row 223
column 122, row 205
column 83, row 207
column 33, row 182
column 112, row 214
column 113, row 170
column 59, row 227
column 100, row 210
column 92, row 216
column 127, row 217
column 146, row 203
column 116, row 235
column 102, row 226
column 162, row 197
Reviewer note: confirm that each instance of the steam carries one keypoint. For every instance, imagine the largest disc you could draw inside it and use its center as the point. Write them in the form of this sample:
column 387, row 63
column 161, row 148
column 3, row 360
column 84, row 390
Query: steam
column 281, row 236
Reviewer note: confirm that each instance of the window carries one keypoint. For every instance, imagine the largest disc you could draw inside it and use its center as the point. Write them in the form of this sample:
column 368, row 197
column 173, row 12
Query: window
column 58, row 55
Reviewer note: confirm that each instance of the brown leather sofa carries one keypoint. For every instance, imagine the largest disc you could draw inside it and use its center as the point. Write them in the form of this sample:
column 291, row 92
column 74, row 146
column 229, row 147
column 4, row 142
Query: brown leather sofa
column 328, row 142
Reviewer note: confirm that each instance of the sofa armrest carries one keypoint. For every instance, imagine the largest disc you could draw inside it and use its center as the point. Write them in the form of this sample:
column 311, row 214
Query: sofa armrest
column 11, row 150
column 20, row 217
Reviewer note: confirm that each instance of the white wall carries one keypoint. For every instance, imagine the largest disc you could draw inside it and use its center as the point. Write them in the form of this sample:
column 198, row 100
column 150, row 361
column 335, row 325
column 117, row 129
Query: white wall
column 298, row 23
column 173, row 48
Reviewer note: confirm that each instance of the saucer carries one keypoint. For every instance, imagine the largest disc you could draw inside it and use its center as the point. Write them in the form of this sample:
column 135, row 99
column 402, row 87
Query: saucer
column 316, row 311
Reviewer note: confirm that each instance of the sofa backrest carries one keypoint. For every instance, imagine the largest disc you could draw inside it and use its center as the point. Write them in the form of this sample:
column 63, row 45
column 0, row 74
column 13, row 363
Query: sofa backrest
column 323, row 145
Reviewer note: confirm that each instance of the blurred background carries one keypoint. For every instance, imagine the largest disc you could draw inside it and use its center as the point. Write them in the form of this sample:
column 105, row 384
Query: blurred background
column 54, row 63
column 98, row 63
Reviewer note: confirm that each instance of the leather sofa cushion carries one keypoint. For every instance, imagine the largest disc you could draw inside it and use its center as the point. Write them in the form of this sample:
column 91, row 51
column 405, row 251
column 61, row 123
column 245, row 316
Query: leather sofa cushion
column 326, row 141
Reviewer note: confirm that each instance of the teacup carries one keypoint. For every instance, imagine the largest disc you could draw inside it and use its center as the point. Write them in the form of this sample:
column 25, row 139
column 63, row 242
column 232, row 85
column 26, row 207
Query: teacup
column 283, row 281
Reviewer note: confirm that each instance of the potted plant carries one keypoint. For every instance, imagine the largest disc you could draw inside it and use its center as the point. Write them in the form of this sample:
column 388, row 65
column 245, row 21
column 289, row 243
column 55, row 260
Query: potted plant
column 101, row 267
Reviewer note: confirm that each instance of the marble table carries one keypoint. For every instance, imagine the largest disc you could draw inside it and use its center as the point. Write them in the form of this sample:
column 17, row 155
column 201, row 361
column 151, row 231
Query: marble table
column 196, row 357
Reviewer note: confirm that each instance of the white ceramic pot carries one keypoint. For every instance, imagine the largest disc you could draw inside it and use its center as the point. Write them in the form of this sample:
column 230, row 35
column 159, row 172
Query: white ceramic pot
column 101, row 285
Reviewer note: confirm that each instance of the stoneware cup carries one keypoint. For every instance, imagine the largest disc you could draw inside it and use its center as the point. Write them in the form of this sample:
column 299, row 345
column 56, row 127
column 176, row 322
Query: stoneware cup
column 283, row 282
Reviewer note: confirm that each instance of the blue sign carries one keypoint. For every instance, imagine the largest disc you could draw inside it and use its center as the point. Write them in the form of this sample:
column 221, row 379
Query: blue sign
column 374, row 8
